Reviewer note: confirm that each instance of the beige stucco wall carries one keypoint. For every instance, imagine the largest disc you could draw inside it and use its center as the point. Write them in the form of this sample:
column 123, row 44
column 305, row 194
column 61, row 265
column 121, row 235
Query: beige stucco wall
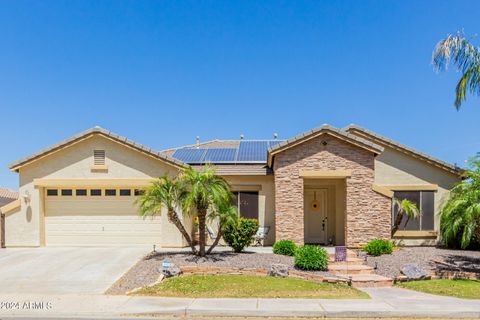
column 393, row 167
column 266, row 198
column 396, row 168
column 24, row 228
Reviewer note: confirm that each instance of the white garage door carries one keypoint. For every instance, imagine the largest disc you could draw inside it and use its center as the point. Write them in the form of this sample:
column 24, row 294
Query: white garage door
column 97, row 220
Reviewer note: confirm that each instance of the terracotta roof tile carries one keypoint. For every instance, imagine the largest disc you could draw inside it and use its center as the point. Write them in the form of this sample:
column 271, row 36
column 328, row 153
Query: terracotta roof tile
column 8, row 194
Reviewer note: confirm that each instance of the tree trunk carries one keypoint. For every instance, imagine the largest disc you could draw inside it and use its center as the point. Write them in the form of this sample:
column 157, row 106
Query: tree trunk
column 173, row 217
column 396, row 225
column 217, row 240
column 477, row 233
column 202, row 215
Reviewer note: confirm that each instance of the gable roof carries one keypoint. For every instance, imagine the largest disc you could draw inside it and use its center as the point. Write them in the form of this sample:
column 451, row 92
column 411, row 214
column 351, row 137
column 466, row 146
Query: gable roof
column 324, row 129
column 377, row 138
column 89, row 133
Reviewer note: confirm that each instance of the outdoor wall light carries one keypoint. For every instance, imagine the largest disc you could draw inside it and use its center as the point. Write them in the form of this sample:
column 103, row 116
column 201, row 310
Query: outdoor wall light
column 26, row 197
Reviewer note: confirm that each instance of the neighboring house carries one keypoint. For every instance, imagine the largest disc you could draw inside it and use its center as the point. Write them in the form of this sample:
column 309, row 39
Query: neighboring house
column 6, row 196
column 326, row 186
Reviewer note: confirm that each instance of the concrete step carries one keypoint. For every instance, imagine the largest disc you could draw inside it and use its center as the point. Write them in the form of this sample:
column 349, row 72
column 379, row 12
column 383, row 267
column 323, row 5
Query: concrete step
column 350, row 254
column 350, row 269
column 370, row 280
column 350, row 261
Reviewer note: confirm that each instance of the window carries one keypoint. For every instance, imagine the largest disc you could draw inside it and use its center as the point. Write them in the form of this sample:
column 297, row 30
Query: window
column 99, row 157
column 425, row 202
column 81, row 192
column 67, row 192
column 96, row 192
column 247, row 203
column 125, row 192
column 52, row 192
column 138, row 192
column 110, row 192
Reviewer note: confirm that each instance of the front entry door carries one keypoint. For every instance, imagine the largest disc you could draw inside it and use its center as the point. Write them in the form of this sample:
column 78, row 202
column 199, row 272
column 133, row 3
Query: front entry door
column 315, row 216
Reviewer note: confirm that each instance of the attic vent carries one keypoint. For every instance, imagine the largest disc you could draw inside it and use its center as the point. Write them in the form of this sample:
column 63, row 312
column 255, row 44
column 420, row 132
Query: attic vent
column 98, row 157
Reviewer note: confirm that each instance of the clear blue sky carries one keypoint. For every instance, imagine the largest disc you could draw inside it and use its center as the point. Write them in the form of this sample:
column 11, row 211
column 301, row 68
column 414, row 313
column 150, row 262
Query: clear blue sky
column 163, row 72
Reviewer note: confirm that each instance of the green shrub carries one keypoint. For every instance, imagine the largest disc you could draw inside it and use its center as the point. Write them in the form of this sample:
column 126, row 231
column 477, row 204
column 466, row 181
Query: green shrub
column 285, row 247
column 240, row 234
column 378, row 247
column 310, row 257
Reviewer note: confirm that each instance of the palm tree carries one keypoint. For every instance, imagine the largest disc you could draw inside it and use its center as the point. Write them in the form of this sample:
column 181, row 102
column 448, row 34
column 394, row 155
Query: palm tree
column 457, row 49
column 460, row 216
column 168, row 193
column 224, row 215
column 206, row 193
column 405, row 207
column 201, row 193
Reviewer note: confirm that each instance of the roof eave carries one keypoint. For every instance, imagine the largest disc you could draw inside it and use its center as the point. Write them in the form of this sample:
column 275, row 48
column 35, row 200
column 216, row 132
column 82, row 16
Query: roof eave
column 88, row 134
column 325, row 129
column 407, row 150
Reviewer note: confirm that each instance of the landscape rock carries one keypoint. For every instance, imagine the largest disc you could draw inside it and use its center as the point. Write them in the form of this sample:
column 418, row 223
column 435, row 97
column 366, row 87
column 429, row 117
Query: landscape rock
column 172, row 271
column 413, row 271
column 278, row 270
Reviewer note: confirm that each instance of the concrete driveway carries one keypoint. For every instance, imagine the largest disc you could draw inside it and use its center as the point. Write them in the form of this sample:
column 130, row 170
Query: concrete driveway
column 64, row 270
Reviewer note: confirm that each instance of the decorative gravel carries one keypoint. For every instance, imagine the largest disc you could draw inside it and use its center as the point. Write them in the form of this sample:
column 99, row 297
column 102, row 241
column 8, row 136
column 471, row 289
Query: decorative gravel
column 428, row 258
column 146, row 271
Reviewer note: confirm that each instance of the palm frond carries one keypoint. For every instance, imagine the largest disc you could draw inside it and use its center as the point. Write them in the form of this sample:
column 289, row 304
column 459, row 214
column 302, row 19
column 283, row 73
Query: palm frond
column 458, row 50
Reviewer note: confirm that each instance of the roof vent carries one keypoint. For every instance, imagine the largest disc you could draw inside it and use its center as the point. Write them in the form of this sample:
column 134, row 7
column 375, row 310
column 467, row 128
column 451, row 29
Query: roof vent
column 275, row 136
column 198, row 141
column 242, row 136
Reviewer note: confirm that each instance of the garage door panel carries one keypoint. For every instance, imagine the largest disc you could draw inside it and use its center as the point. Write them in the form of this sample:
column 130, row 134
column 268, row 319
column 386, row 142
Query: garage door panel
column 105, row 226
column 94, row 207
column 104, row 221
column 100, row 240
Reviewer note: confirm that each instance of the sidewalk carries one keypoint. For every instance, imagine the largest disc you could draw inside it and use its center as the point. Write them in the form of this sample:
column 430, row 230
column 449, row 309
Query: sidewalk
column 385, row 302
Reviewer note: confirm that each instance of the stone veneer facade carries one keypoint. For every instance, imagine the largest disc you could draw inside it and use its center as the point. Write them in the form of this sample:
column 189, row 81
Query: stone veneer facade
column 367, row 212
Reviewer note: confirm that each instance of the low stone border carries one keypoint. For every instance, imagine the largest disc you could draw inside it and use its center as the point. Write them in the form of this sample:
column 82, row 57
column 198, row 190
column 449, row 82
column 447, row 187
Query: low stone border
column 400, row 279
column 447, row 274
column 261, row 272
column 443, row 274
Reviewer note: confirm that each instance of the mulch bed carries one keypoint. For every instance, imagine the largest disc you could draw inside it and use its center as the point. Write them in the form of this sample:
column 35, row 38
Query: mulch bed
column 430, row 259
column 146, row 271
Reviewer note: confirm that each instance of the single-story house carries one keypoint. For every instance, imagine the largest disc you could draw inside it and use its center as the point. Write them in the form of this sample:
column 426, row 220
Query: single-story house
column 327, row 186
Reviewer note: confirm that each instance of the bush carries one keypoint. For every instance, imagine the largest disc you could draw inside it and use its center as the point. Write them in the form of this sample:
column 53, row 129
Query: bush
column 310, row 257
column 378, row 247
column 285, row 247
column 240, row 234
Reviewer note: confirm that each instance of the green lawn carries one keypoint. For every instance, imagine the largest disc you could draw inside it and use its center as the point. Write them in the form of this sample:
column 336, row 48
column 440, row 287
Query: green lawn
column 466, row 289
column 242, row 286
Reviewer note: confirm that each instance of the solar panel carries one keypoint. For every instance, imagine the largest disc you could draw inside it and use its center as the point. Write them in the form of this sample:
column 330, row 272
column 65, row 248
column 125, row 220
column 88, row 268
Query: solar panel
column 190, row 155
column 248, row 151
column 252, row 151
column 217, row 155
